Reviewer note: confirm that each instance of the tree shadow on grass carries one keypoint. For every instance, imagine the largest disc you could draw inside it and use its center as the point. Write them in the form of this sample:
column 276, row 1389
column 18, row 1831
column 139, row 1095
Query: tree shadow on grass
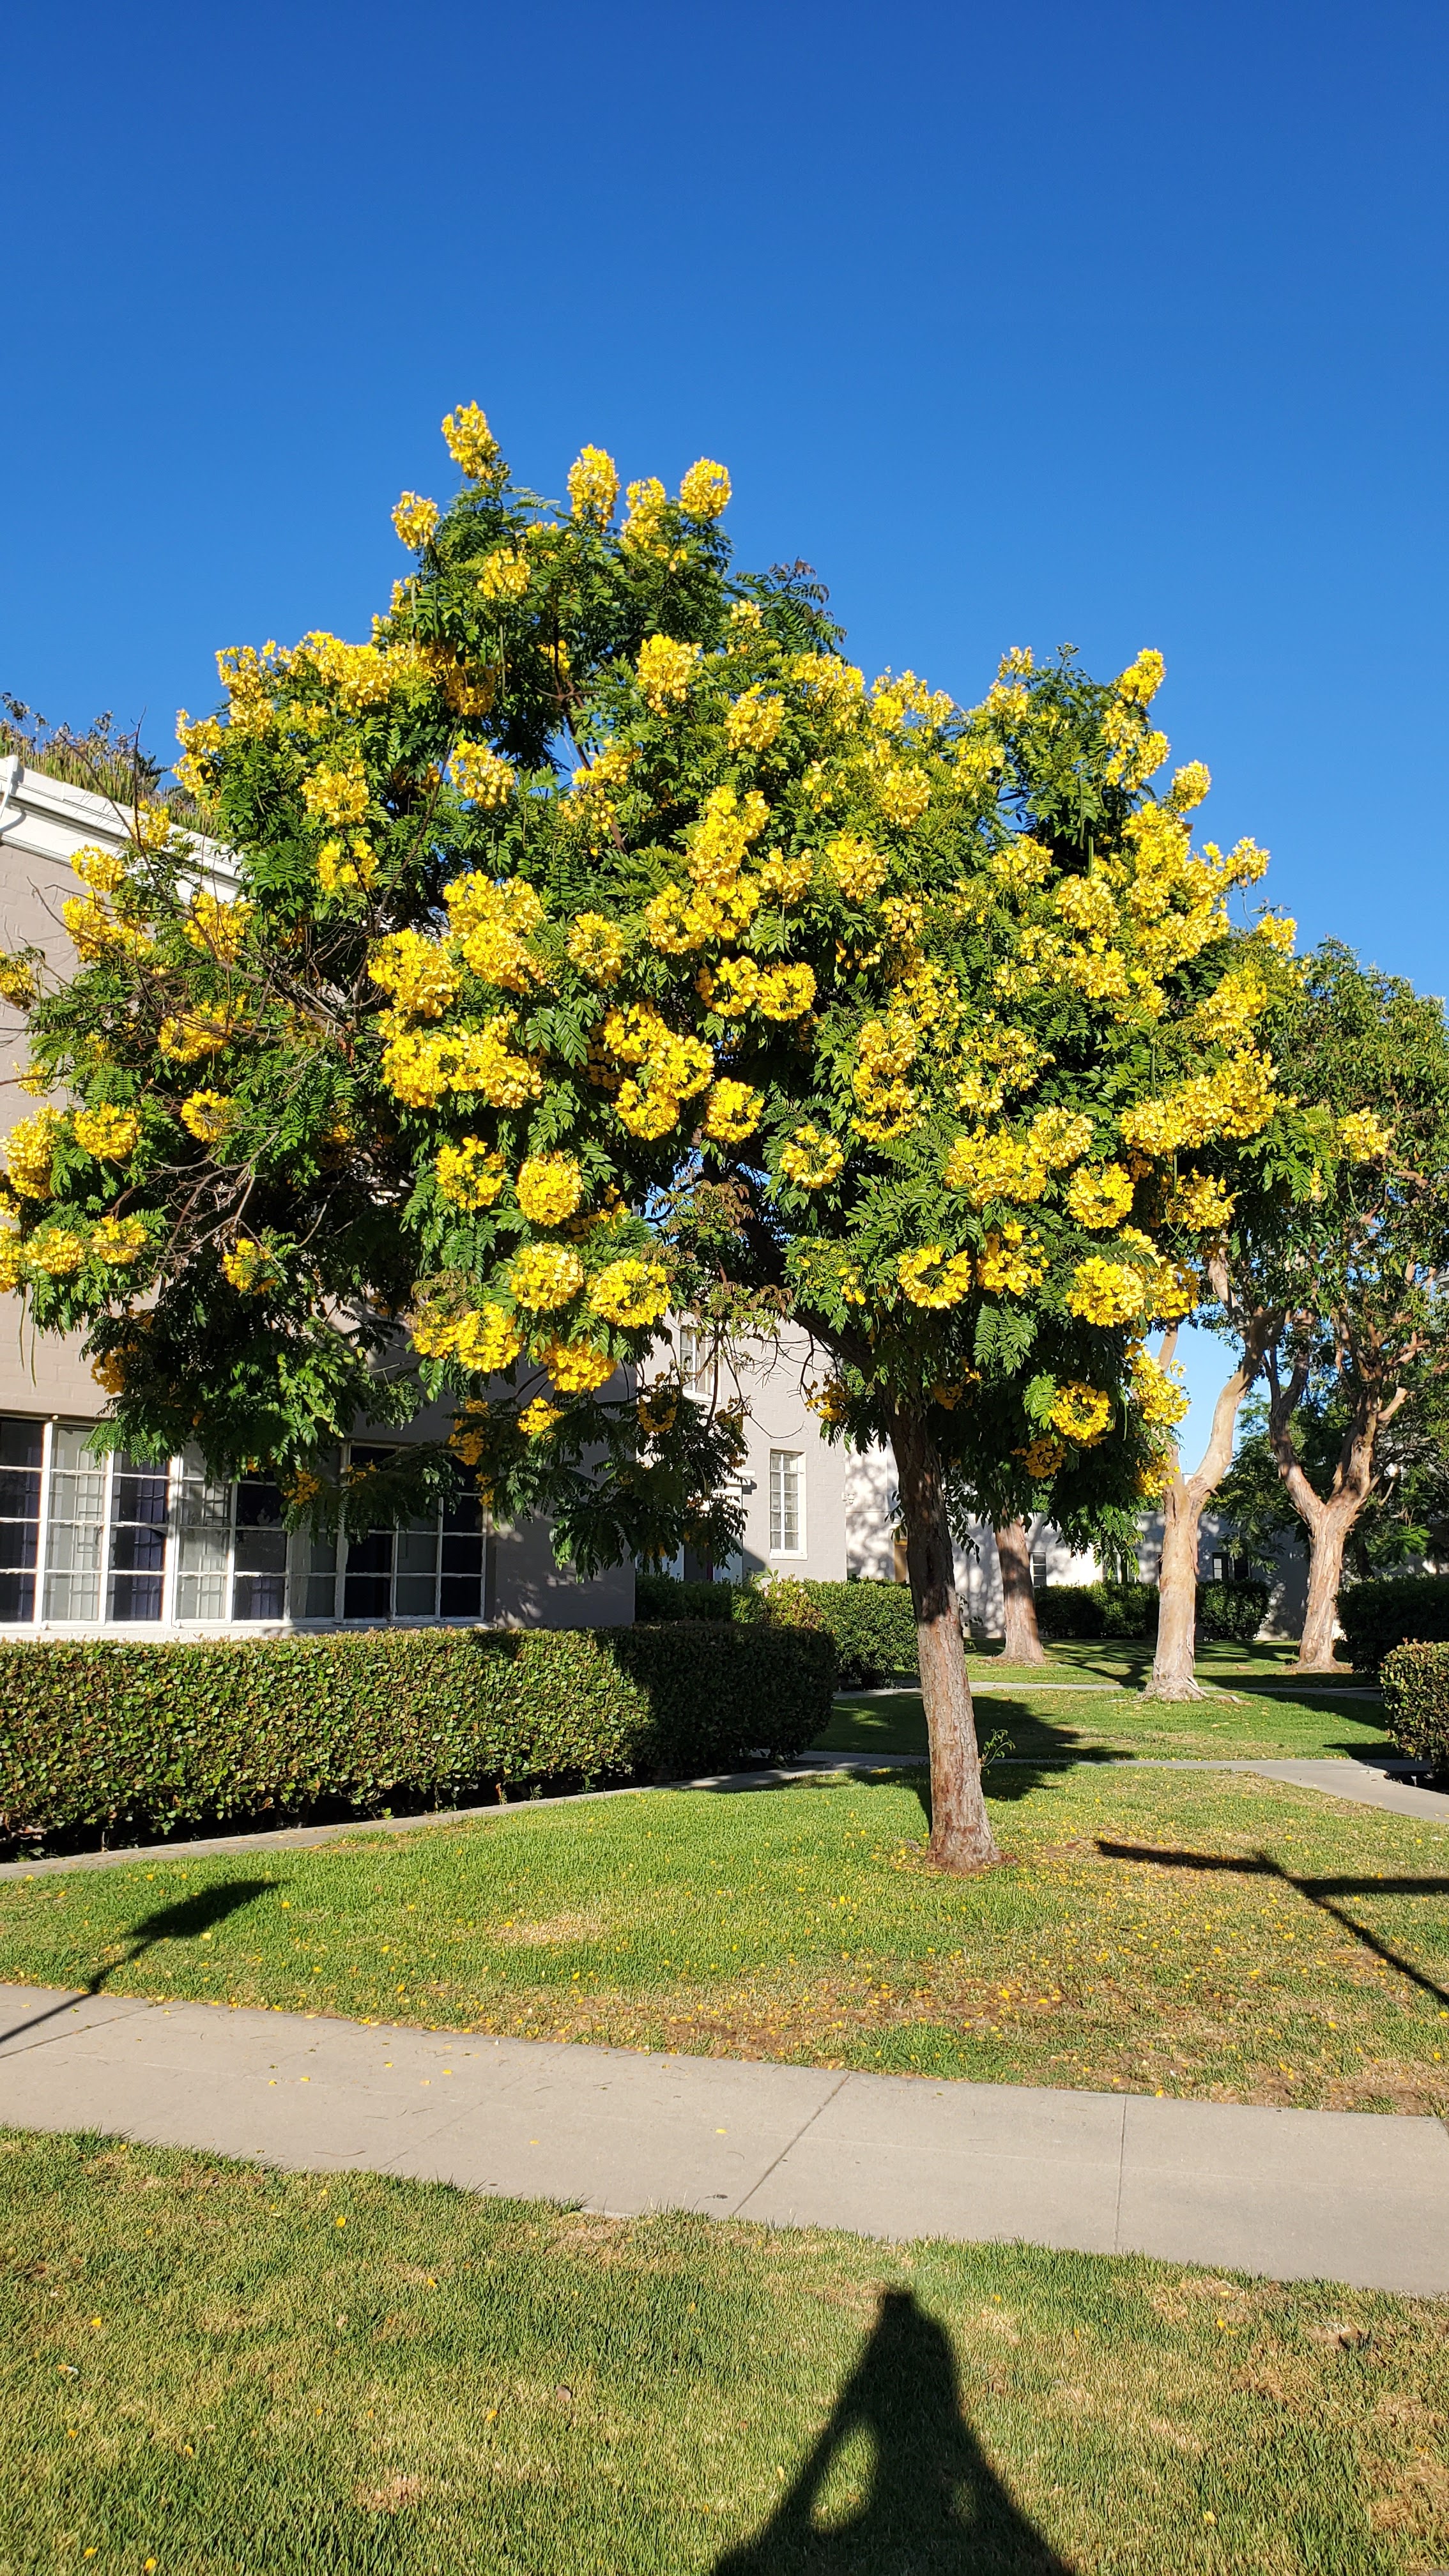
column 1315, row 1891
column 186, row 1920
column 925, row 2499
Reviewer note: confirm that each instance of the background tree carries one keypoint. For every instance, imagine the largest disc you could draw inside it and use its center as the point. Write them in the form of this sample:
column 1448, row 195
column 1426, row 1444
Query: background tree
column 1357, row 1279
column 1406, row 1513
column 602, row 943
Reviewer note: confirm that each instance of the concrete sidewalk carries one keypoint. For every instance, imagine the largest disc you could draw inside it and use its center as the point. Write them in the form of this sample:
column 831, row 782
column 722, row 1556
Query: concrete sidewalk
column 1346, row 2196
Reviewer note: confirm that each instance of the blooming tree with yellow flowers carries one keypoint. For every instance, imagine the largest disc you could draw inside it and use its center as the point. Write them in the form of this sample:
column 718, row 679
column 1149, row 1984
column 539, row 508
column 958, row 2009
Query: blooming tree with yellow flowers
column 602, row 943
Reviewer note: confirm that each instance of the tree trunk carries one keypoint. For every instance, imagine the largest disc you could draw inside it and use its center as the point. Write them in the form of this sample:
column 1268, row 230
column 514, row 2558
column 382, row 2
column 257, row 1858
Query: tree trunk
column 961, row 1836
column 1172, row 1662
column 1172, row 1675
column 1327, row 1535
column 1018, row 1600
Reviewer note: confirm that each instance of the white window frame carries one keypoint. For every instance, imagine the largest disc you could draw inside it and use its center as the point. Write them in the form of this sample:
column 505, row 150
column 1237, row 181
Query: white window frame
column 781, row 1463
column 298, row 1573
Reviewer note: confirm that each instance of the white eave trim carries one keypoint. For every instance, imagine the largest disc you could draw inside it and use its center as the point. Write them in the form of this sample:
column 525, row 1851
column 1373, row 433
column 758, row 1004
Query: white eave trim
column 49, row 819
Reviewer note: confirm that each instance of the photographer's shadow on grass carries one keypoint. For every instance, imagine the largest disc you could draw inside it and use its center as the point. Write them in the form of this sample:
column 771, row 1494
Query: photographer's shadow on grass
column 897, row 2484
column 190, row 1918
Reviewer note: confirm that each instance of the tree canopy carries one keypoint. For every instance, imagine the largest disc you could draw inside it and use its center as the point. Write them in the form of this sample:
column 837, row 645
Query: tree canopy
column 602, row 943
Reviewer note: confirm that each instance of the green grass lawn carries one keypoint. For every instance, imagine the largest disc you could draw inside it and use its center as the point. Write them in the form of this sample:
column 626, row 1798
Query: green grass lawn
column 1245, row 1719
column 213, row 2370
column 1198, row 1933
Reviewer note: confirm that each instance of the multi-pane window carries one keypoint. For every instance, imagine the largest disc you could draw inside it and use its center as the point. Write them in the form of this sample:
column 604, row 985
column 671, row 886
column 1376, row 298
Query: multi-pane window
column 787, row 1502
column 121, row 1542
column 430, row 1568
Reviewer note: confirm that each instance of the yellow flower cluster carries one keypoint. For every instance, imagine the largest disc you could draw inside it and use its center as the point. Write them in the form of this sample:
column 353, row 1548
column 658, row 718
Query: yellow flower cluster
column 856, row 866
column 1201, row 1203
column 754, row 721
column 110, row 1134
column 885, row 1052
column 995, row 1166
column 1060, row 1137
column 658, row 1409
column 216, row 926
column 1139, row 683
column 665, row 671
column 576, row 1368
column 538, row 1418
column 190, row 1035
column 340, row 873
column 596, row 947
column 1158, row 1393
column 491, row 923
column 251, row 1267
column 58, row 1251
column 205, row 1114
column 417, row 971
column 470, row 1174
column 419, row 1068
column 1237, row 1100
column 732, row 1112
column 12, row 1260
column 415, row 519
column 545, row 1275
column 1363, row 1136
column 484, row 1338
column 549, row 1188
column 593, row 486
column 705, row 490
column 1042, row 1457
column 1099, row 1197
column 674, row 1069
column 786, row 879
column 118, row 1240
column 643, row 530
column 18, row 986
column 336, row 797
column 720, row 839
column 504, row 574
column 360, row 675
column 902, row 794
column 1106, row 1292
column 812, row 1158
column 471, row 443
column 1012, row 1261
column 480, row 775
column 929, row 1278
column 29, row 1150
column 1081, row 1413
column 631, row 1293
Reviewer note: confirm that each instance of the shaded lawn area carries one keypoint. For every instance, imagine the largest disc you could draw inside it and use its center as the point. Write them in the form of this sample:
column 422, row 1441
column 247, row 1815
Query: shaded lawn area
column 1244, row 1721
column 1206, row 1935
column 208, row 2367
column 1129, row 1659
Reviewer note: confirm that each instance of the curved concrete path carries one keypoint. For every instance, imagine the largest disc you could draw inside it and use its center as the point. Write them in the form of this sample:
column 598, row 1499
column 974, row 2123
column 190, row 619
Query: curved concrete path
column 1347, row 2196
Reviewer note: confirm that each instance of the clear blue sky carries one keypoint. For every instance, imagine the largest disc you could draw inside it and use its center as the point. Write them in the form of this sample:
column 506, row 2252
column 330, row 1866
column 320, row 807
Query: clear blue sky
column 1119, row 324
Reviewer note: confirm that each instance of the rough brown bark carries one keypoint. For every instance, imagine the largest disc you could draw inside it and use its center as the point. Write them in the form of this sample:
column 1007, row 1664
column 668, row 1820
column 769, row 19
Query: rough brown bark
column 1018, row 1600
column 1172, row 1675
column 1325, row 1573
column 961, row 1836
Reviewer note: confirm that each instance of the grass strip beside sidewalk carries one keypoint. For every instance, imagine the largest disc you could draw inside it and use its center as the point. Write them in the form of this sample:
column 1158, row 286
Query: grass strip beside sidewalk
column 1205, row 1935
column 213, row 2368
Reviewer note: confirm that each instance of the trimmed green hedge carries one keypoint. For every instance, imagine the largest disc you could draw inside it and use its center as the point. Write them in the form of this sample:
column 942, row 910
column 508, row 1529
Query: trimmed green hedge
column 1416, row 1700
column 1400, row 1608
column 1235, row 1609
column 1097, row 1609
column 99, row 1736
column 872, row 1623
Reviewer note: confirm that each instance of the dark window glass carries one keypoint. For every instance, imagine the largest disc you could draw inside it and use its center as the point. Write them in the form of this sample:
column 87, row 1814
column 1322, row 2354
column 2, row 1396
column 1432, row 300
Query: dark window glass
column 259, row 1585
column 367, row 1591
column 138, row 1540
column 21, row 1451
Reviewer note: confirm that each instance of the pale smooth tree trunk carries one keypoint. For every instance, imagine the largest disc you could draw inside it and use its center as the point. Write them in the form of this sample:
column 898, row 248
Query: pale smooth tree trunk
column 961, row 1836
column 1018, row 1600
column 1329, row 1518
column 1327, row 1539
column 1172, row 1675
